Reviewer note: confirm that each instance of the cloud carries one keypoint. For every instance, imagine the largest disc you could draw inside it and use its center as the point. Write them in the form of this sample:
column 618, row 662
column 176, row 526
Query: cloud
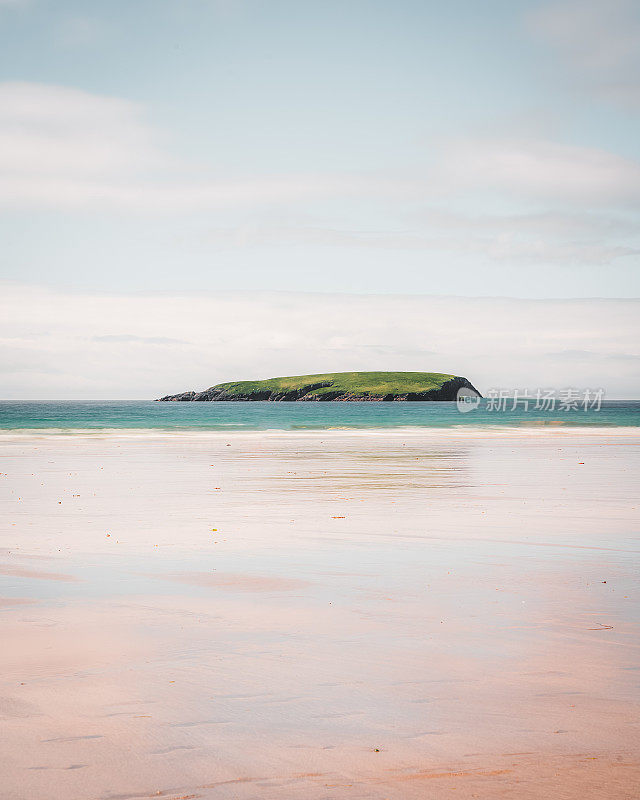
column 49, row 347
column 541, row 171
column 544, row 238
column 78, row 31
column 66, row 148
column 598, row 40
column 515, row 240
column 580, row 355
column 128, row 337
column 59, row 132
column 62, row 147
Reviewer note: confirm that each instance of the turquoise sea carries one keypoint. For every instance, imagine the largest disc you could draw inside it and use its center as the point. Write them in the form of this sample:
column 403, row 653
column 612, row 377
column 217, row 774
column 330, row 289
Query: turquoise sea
column 73, row 417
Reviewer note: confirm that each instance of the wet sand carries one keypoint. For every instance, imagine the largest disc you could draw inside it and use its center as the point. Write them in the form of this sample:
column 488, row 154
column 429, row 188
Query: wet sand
column 326, row 615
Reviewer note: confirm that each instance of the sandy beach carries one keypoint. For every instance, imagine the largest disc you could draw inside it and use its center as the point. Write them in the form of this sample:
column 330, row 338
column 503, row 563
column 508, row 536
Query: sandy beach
column 319, row 615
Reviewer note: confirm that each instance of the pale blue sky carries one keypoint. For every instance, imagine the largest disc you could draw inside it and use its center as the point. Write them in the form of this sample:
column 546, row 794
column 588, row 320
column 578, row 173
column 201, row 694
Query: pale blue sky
column 396, row 147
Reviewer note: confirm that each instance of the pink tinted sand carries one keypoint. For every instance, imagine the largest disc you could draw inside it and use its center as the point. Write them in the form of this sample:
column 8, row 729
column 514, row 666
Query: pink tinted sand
column 306, row 616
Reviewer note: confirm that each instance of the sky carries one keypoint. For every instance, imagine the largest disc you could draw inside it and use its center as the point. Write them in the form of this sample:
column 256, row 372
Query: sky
column 243, row 158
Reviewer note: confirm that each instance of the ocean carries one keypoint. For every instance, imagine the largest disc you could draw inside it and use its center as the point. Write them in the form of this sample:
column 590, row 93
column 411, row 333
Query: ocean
column 69, row 417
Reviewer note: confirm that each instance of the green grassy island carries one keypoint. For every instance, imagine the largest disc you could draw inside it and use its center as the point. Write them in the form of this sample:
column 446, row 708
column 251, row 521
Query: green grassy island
column 337, row 386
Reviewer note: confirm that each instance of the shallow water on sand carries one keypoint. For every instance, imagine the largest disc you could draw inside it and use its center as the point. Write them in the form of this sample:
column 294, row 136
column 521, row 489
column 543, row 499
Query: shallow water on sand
column 299, row 616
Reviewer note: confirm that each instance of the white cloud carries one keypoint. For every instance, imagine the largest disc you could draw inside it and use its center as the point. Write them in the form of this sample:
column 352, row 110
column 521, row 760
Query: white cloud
column 542, row 171
column 67, row 134
column 78, row 31
column 155, row 344
column 515, row 240
column 129, row 337
column 66, row 148
column 599, row 40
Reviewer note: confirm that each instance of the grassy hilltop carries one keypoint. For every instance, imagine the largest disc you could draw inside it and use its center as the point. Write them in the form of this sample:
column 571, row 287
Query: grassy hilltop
column 376, row 384
column 337, row 386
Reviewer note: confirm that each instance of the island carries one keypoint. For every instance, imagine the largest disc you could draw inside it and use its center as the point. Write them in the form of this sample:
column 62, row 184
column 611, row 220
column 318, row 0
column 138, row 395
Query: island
column 338, row 387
